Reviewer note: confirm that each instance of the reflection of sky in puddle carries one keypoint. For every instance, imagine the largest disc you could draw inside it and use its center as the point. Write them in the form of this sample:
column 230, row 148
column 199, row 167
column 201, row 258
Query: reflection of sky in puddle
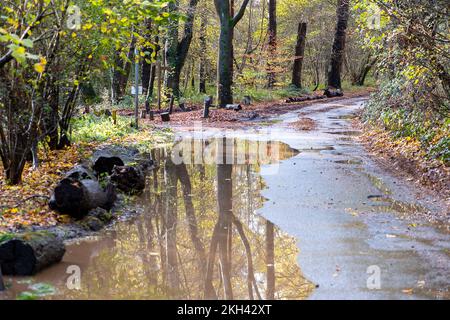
column 197, row 237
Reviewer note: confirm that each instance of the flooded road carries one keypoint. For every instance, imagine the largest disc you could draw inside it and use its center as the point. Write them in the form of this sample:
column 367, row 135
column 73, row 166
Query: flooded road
column 269, row 213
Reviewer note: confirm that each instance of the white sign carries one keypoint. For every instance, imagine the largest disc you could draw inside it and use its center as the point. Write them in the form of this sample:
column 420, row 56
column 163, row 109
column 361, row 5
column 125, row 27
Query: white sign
column 133, row 90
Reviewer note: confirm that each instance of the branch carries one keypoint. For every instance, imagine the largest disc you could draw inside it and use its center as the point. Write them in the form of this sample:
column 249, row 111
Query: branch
column 240, row 14
column 183, row 45
column 8, row 56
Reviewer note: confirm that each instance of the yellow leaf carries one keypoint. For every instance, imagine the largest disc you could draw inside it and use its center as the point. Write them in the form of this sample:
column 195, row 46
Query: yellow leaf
column 39, row 67
column 20, row 50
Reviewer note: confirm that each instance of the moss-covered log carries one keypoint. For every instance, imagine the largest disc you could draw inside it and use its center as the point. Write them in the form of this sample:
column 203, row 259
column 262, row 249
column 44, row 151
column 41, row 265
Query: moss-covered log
column 76, row 197
column 105, row 164
column 129, row 179
column 2, row 284
column 28, row 253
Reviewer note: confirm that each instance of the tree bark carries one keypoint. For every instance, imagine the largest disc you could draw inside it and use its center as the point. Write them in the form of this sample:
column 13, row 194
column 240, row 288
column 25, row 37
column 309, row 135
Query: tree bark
column 176, row 51
column 299, row 55
column 225, row 62
column 225, row 209
column 171, row 222
column 272, row 42
column 30, row 253
column 186, row 187
column 270, row 261
column 203, row 47
column 335, row 66
column 121, row 72
column 76, row 197
column 2, row 283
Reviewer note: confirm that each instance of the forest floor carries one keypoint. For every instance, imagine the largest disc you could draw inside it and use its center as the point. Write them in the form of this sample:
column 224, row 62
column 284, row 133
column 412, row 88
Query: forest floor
column 406, row 159
column 254, row 114
column 26, row 205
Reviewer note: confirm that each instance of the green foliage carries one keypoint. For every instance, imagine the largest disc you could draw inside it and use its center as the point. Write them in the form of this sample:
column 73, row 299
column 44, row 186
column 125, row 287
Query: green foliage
column 92, row 128
column 37, row 291
column 387, row 108
column 6, row 237
column 441, row 149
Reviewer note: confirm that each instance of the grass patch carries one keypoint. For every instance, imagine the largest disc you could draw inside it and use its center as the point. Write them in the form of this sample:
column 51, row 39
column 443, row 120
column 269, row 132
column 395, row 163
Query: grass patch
column 91, row 128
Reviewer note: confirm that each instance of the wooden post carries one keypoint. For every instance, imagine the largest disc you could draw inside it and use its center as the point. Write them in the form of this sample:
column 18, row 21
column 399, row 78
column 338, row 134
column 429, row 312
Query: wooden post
column 171, row 102
column 136, row 88
column 207, row 104
column 114, row 117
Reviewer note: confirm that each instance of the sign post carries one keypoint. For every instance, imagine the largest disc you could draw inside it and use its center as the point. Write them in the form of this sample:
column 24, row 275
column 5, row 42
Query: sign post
column 136, row 88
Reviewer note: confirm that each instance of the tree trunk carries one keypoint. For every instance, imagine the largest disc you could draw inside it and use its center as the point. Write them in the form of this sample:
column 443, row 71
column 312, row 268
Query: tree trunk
column 176, row 52
column 186, row 187
column 50, row 122
column 335, row 66
column 225, row 209
column 270, row 261
column 121, row 72
column 225, row 65
column 147, row 67
column 30, row 253
column 272, row 42
column 225, row 61
column 2, row 283
column 171, row 221
column 203, row 47
column 299, row 55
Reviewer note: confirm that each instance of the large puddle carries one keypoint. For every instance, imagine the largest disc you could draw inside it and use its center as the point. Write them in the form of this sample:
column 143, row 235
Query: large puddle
column 197, row 235
column 200, row 231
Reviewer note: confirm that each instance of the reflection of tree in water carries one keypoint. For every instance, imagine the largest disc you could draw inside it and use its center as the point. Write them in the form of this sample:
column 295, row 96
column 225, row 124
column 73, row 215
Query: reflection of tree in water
column 199, row 238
